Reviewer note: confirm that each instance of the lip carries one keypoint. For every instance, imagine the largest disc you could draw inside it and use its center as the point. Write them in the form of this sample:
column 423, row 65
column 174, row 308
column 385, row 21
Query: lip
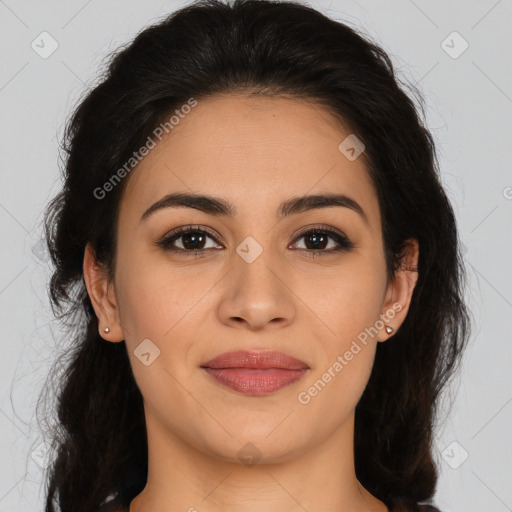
column 255, row 373
column 260, row 360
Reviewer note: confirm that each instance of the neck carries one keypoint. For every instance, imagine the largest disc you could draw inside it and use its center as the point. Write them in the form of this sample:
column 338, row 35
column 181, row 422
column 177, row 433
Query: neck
column 314, row 477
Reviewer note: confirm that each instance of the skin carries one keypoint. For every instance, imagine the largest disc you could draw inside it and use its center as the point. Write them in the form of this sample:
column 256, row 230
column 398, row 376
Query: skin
column 255, row 153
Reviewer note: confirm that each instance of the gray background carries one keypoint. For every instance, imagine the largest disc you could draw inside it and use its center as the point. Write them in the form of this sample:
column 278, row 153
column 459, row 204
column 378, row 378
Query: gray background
column 469, row 99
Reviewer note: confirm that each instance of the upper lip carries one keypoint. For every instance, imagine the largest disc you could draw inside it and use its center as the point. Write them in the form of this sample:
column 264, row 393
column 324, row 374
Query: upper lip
column 255, row 360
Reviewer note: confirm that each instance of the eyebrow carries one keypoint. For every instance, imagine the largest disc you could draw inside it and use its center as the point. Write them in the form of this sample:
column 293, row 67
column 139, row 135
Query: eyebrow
column 220, row 207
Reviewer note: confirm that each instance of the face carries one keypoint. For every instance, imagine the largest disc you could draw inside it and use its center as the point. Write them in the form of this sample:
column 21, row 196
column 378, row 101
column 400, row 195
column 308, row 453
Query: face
column 257, row 279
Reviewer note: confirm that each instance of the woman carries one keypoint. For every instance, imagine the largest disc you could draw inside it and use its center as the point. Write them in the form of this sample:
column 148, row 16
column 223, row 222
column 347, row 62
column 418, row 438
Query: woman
column 261, row 270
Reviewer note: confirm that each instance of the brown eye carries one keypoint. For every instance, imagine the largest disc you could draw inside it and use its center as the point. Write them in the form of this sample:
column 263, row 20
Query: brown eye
column 316, row 241
column 192, row 241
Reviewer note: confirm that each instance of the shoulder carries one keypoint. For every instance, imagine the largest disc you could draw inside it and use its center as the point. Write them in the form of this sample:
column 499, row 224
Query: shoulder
column 427, row 508
column 112, row 504
column 405, row 504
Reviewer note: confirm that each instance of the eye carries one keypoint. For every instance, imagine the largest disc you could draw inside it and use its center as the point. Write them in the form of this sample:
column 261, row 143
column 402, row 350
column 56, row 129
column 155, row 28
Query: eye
column 191, row 238
column 317, row 239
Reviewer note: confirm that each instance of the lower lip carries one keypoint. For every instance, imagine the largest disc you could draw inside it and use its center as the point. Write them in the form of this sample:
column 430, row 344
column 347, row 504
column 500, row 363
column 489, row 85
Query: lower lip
column 255, row 382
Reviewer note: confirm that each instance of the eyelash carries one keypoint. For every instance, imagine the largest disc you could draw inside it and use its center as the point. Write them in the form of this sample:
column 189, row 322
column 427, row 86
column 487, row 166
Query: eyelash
column 344, row 242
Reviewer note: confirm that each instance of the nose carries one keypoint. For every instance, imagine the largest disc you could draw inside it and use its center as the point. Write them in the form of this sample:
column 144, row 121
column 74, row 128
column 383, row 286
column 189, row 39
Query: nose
column 256, row 295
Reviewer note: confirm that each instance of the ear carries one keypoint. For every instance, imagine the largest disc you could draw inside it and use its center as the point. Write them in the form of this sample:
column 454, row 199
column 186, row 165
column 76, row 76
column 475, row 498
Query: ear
column 399, row 291
column 102, row 294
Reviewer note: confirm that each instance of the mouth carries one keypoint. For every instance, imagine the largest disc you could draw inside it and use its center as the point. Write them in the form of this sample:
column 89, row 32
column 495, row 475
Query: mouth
column 255, row 373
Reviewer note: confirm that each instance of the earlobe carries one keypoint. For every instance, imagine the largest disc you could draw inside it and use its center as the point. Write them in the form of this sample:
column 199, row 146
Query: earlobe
column 102, row 295
column 400, row 290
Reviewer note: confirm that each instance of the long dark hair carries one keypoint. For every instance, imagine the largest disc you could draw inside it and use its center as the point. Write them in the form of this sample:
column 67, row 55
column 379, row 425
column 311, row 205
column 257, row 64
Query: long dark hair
column 254, row 47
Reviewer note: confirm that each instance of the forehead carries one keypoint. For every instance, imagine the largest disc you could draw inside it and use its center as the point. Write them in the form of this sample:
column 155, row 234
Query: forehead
column 255, row 151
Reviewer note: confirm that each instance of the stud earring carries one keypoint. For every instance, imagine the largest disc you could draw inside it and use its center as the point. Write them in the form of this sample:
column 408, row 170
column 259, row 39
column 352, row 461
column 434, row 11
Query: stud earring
column 106, row 329
column 389, row 329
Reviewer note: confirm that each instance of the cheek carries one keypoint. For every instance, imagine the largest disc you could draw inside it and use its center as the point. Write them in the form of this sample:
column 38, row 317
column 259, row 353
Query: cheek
column 350, row 307
column 142, row 309
column 348, row 301
column 334, row 389
column 163, row 306
column 156, row 309
column 151, row 298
